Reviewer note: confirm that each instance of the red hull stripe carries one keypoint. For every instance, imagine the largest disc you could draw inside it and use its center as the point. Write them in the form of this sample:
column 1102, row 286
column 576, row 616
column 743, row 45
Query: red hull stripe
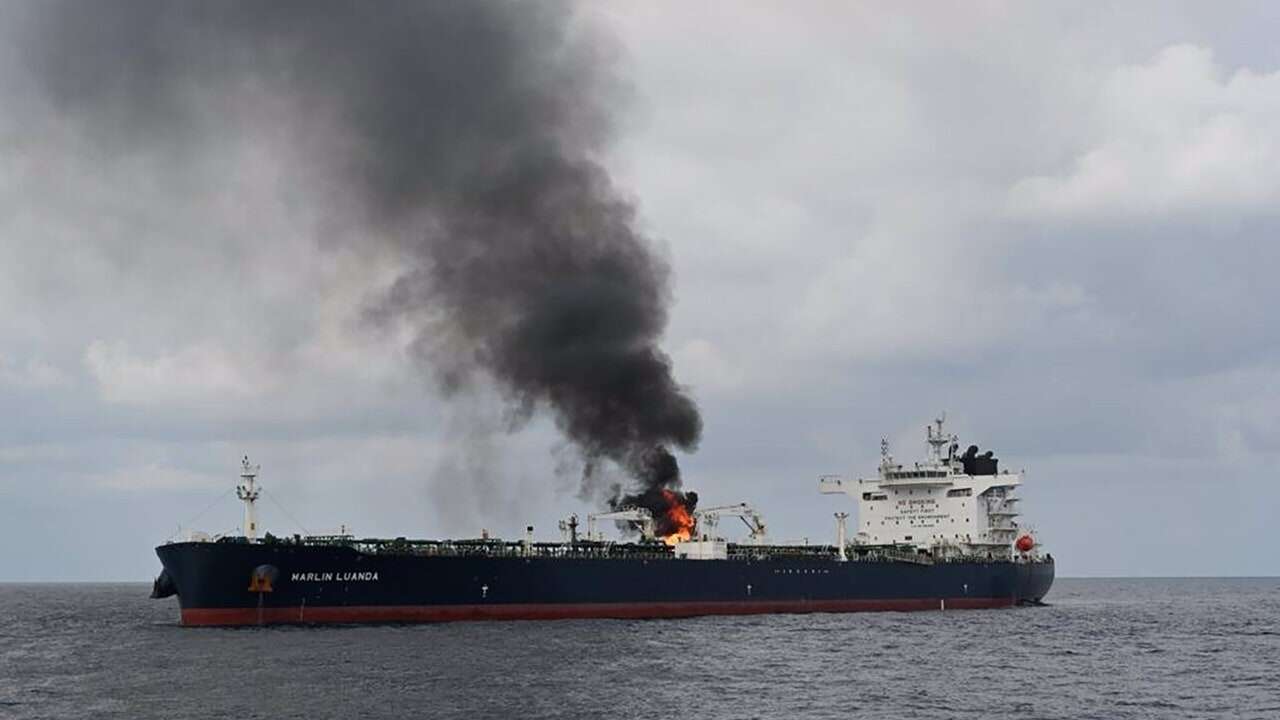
column 446, row 613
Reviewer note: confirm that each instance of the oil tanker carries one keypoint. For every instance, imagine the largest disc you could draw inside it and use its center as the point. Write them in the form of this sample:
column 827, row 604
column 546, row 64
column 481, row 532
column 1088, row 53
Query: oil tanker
column 938, row 534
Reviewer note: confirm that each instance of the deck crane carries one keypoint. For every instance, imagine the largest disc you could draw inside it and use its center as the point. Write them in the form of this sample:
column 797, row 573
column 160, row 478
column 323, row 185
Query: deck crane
column 708, row 518
column 632, row 514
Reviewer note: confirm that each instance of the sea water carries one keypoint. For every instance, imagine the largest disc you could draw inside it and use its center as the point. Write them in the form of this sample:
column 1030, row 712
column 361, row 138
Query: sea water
column 1104, row 648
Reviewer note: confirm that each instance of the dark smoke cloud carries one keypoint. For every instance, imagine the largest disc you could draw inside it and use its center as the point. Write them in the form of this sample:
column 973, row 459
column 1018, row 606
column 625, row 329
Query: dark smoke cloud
column 469, row 135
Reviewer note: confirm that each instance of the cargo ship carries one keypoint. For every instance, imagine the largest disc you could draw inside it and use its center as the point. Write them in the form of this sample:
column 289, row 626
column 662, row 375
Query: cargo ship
column 939, row 534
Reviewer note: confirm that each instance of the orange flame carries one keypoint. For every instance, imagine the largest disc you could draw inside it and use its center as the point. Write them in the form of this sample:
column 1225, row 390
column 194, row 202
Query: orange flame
column 677, row 516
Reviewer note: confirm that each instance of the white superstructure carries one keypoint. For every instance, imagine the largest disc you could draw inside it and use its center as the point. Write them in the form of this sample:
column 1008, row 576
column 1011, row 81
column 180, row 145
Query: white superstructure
column 947, row 504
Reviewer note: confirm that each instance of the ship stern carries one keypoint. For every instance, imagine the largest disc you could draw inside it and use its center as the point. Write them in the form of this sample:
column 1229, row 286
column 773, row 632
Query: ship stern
column 1035, row 578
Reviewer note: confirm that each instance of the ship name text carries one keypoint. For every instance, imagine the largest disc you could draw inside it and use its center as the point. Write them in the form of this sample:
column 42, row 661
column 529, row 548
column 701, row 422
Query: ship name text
column 334, row 576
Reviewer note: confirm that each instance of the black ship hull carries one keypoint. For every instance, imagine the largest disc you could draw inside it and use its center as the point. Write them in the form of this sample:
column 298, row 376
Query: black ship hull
column 263, row 583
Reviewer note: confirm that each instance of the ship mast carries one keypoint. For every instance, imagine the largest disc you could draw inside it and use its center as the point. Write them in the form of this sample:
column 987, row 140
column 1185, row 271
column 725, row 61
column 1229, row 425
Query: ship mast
column 939, row 441
column 248, row 493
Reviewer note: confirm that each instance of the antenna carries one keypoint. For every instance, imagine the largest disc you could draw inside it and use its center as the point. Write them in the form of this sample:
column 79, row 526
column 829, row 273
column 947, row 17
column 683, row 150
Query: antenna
column 886, row 460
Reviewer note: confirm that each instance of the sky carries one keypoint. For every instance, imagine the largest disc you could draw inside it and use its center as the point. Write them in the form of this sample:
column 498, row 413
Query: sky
column 1053, row 222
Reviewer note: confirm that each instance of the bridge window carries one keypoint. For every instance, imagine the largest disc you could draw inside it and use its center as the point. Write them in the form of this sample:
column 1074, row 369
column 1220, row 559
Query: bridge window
column 960, row 492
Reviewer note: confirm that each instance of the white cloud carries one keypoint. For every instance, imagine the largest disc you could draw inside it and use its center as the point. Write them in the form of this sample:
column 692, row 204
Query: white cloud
column 158, row 476
column 42, row 453
column 193, row 374
column 706, row 367
column 1174, row 135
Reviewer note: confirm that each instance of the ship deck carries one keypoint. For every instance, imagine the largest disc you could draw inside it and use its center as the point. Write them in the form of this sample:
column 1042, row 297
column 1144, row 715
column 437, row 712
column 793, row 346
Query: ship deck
column 652, row 550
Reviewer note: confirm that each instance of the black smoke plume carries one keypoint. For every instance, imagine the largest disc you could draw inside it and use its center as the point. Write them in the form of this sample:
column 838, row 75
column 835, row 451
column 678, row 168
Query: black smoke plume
column 469, row 135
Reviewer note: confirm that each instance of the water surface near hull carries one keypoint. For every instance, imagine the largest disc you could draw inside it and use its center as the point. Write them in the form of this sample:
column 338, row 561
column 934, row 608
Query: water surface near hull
column 564, row 611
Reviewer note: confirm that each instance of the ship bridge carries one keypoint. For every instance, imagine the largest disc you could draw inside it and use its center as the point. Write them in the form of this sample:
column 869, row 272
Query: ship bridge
column 948, row 503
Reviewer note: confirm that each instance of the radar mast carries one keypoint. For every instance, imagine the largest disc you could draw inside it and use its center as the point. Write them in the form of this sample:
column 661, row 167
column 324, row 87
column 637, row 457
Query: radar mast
column 248, row 493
